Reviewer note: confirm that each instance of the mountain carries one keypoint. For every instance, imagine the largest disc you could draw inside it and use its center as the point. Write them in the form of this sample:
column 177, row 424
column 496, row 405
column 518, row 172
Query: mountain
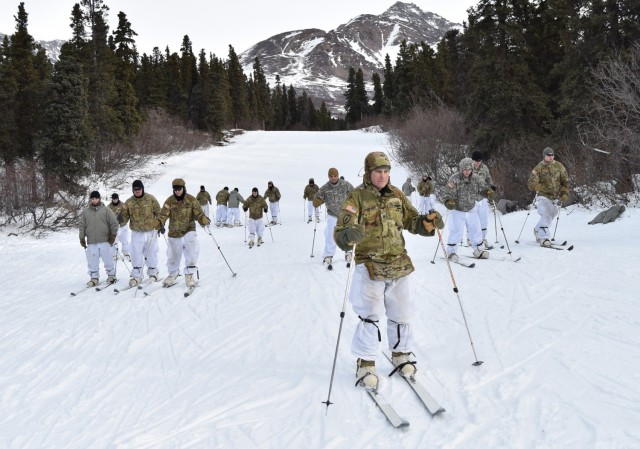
column 318, row 61
column 51, row 47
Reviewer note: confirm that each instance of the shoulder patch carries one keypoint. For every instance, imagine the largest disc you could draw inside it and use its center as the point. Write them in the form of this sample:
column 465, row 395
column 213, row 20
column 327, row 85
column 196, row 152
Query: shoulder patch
column 351, row 209
column 450, row 185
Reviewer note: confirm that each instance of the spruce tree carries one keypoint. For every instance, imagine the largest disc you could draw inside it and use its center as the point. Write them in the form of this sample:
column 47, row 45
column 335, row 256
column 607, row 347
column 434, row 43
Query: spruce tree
column 378, row 95
column 237, row 90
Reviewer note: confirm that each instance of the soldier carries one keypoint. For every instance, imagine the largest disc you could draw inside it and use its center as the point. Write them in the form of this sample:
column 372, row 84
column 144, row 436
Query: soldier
column 182, row 210
column 123, row 232
column 233, row 211
column 309, row 194
column 332, row 193
column 141, row 211
column 408, row 189
column 373, row 217
column 426, row 188
column 222, row 197
column 482, row 171
column 550, row 181
column 255, row 204
column 204, row 199
column 273, row 194
column 98, row 230
column 460, row 197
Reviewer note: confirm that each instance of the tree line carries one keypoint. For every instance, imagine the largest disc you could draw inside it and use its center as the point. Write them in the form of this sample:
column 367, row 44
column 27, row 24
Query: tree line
column 518, row 77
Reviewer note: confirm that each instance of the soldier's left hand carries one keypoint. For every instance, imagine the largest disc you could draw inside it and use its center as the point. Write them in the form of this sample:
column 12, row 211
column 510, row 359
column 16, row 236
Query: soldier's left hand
column 564, row 198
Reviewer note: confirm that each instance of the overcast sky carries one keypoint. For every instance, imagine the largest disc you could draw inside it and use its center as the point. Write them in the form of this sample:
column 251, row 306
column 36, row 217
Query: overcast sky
column 212, row 25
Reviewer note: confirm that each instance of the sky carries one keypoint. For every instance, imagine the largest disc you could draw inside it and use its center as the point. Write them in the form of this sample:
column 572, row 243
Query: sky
column 211, row 25
column 246, row 361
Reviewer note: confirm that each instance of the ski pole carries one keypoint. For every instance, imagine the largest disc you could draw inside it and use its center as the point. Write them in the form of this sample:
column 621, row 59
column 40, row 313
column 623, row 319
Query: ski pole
column 525, row 218
column 455, row 289
column 225, row 259
column 118, row 253
column 495, row 225
column 433, row 261
column 335, row 356
column 502, row 228
column 271, row 232
column 315, row 225
column 245, row 226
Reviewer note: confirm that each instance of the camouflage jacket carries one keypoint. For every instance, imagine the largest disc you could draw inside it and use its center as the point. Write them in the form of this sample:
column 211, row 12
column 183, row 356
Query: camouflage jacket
column 549, row 180
column 425, row 187
column 97, row 223
column 310, row 192
column 203, row 197
column 256, row 206
column 182, row 215
column 407, row 188
column 333, row 195
column 235, row 199
column 222, row 197
column 483, row 172
column 465, row 191
column 273, row 194
column 116, row 209
column 384, row 214
column 141, row 213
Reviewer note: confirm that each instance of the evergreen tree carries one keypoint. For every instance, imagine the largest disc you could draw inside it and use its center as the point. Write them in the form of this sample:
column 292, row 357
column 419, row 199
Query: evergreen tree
column 378, row 95
column 8, row 93
column 237, row 90
column 292, row 106
column 388, row 88
column 350, row 105
column 324, row 118
column 262, row 94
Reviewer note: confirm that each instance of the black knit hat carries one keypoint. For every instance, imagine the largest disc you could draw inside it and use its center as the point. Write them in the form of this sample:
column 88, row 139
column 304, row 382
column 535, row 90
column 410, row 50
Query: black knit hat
column 476, row 156
column 255, row 189
column 235, row 188
column 115, row 196
column 137, row 184
column 94, row 194
column 201, row 187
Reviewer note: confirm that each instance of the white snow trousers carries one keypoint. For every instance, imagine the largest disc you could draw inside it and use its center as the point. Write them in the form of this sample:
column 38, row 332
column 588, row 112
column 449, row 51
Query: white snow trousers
column 256, row 227
column 233, row 216
column 275, row 210
column 205, row 209
column 310, row 210
column 123, row 238
column 187, row 245
column 547, row 210
column 221, row 214
column 426, row 204
column 144, row 251
column 456, row 223
column 370, row 301
column 483, row 215
column 95, row 252
column 329, row 242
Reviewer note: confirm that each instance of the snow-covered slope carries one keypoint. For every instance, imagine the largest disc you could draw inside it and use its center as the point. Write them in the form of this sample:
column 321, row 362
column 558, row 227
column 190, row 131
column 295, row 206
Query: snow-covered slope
column 245, row 362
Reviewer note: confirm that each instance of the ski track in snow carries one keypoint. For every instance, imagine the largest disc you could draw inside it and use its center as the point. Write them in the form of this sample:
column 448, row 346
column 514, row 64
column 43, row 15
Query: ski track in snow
column 245, row 361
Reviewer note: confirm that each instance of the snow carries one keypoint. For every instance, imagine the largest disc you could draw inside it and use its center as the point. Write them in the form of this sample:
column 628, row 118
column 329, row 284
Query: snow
column 245, row 362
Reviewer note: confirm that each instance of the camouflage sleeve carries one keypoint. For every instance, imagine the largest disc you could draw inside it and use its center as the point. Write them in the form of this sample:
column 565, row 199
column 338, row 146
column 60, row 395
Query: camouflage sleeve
column 564, row 181
column 449, row 191
column 409, row 215
column 112, row 222
column 208, row 197
column 83, row 226
column 199, row 215
column 319, row 199
column 278, row 196
column 164, row 213
column 125, row 214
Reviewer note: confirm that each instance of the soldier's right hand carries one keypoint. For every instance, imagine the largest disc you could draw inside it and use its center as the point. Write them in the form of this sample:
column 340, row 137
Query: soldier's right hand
column 450, row 204
column 161, row 230
column 245, row 208
column 354, row 234
column 83, row 243
column 317, row 202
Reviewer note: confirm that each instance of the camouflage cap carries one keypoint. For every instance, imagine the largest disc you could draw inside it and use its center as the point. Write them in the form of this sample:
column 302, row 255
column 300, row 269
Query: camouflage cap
column 376, row 159
column 178, row 182
column 332, row 172
column 466, row 164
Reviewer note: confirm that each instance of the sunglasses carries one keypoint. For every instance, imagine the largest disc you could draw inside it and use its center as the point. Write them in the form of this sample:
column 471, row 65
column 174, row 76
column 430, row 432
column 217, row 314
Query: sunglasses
column 178, row 187
column 550, row 155
column 137, row 189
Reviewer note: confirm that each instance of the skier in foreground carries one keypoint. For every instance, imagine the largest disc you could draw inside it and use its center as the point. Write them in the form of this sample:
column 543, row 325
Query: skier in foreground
column 182, row 210
column 373, row 217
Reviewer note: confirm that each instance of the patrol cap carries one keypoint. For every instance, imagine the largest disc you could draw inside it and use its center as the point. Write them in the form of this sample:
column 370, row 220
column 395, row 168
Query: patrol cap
column 547, row 152
column 466, row 164
column 375, row 160
column 178, row 182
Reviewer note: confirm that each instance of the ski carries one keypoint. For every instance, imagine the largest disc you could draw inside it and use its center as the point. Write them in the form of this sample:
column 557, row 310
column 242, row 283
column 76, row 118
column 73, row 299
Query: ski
column 160, row 287
column 427, row 400
column 76, row 293
column 189, row 291
column 464, row 264
column 99, row 288
column 558, row 247
column 499, row 258
column 386, row 409
column 120, row 290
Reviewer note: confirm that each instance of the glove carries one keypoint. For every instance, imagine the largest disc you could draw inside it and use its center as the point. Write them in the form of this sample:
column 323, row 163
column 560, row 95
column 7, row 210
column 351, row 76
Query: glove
column 120, row 217
column 450, row 204
column 564, row 198
column 112, row 239
column 265, row 210
column 161, row 230
column 317, row 202
column 491, row 193
column 427, row 223
column 350, row 236
column 83, row 243
column 494, row 188
column 245, row 208
column 537, row 186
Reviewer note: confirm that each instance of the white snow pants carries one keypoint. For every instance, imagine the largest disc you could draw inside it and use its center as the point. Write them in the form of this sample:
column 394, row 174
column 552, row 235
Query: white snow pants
column 233, row 216
column 483, row 215
column 95, row 252
column 221, row 214
column 310, row 210
column 329, row 242
column 547, row 210
column 123, row 238
column 187, row 245
column 275, row 210
column 256, row 227
column 426, row 204
column 144, row 251
column 456, row 223
column 370, row 300
column 205, row 209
